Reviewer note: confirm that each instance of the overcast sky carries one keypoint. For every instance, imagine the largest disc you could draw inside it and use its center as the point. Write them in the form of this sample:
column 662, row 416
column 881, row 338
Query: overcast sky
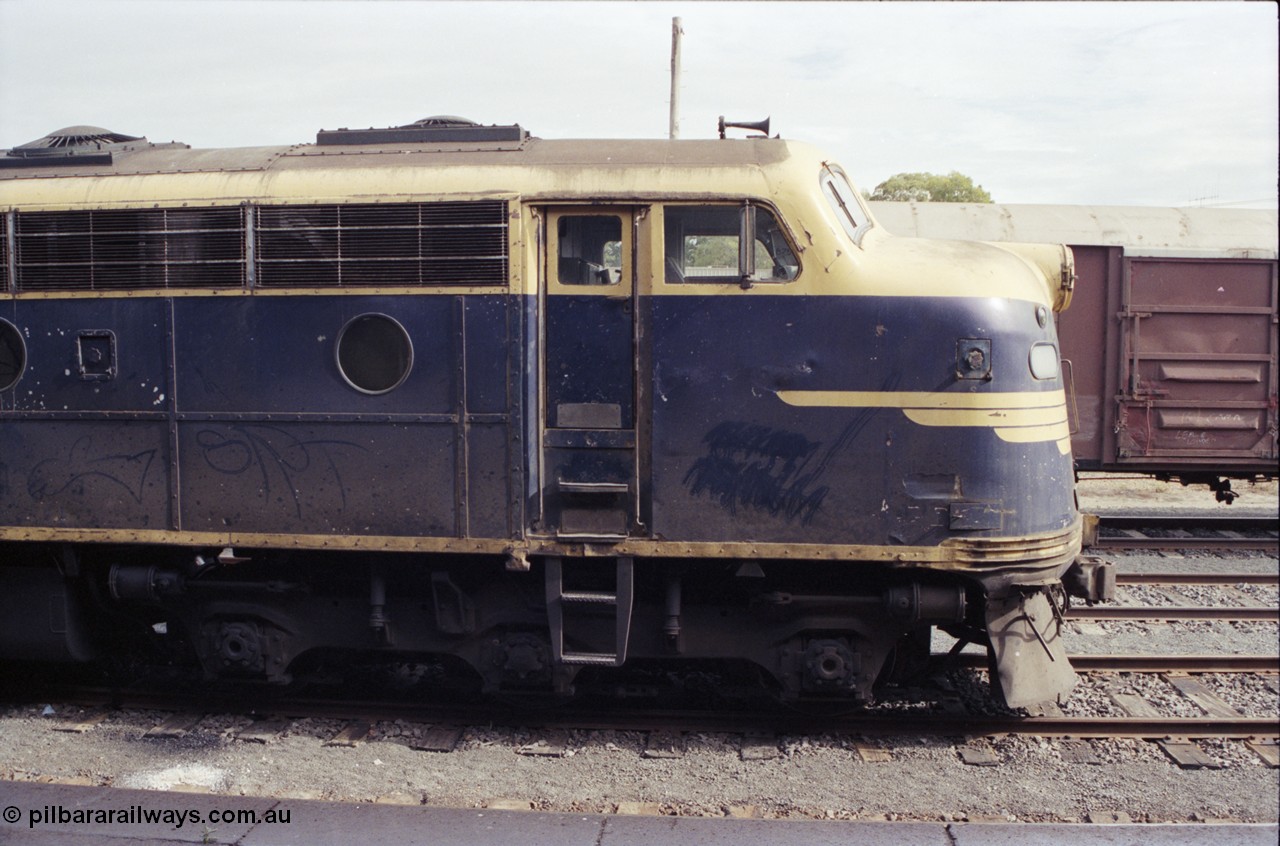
column 1167, row 104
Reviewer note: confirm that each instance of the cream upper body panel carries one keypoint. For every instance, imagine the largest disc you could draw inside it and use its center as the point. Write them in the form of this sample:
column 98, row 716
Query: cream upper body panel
column 783, row 174
column 560, row 170
column 890, row 265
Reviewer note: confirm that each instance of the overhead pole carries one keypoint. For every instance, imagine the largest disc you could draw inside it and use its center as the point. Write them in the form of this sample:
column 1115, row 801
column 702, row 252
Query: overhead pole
column 676, row 32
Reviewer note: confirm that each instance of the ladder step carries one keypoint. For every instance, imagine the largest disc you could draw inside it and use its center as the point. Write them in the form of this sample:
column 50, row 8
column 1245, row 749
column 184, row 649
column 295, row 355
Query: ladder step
column 593, row 487
column 590, row 537
column 619, row 602
column 598, row 659
column 589, row 597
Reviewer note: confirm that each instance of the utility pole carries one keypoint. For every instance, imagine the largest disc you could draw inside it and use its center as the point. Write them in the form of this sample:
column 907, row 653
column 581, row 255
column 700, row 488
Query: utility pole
column 676, row 32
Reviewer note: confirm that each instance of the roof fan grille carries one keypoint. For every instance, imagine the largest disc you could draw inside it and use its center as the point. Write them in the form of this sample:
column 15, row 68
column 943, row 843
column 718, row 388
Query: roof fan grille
column 72, row 145
column 436, row 129
column 78, row 136
column 441, row 121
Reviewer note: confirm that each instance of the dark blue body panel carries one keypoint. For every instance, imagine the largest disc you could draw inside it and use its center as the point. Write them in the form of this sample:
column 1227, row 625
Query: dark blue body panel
column 85, row 474
column 86, row 444
column 731, row 460
column 590, row 359
column 228, row 414
column 53, row 381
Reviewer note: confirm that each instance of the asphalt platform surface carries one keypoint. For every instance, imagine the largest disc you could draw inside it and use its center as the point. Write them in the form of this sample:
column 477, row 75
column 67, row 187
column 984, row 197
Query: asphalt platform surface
column 69, row 815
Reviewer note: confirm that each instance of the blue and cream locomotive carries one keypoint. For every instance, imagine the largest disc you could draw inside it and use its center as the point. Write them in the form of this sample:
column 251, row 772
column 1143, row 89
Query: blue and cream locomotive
column 449, row 389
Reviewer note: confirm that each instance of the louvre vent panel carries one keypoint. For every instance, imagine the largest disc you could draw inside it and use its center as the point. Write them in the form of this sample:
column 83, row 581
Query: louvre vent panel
column 130, row 249
column 359, row 246
column 4, row 252
column 447, row 243
column 388, row 272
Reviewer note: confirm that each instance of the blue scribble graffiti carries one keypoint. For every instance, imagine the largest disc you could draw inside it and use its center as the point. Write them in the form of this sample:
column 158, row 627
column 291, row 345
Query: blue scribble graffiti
column 272, row 452
column 756, row 467
column 70, row 476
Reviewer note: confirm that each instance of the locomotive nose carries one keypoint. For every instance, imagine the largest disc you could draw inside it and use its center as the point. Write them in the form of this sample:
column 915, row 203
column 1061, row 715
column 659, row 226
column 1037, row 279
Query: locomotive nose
column 1055, row 263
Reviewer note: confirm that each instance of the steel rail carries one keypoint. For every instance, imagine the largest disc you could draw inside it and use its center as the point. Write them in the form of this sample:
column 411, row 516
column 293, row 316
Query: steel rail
column 940, row 724
column 1103, row 663
column 1233, row 613
column 1132, row 528
column 1146, row 728
column 1219, row 544
column 1197, row 578
column 1216, row 522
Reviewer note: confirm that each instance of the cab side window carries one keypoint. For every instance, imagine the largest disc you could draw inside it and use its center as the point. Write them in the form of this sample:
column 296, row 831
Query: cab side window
column 590, row 250
column 844, row 201
column 726, row 244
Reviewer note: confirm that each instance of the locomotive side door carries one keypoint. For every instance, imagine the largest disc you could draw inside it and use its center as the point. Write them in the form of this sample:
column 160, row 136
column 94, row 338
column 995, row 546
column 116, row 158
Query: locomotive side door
column 589, row 471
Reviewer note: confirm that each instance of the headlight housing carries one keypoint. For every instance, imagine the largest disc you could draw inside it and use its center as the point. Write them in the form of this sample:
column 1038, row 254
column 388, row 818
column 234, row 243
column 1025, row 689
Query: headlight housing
column 1044, row 361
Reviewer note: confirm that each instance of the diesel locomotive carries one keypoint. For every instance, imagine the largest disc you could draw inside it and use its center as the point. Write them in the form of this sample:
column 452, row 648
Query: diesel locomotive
column 529, row 406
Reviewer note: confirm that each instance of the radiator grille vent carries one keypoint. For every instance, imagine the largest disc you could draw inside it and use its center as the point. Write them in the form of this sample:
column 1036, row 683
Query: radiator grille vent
column 126, row 249
column 4, row 252
column 348, row 246
column 351, row 246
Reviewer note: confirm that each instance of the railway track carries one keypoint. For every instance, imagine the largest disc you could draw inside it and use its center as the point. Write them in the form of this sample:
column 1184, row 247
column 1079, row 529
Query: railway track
column 1152, row 531
column 938, row 714
column 359, row 719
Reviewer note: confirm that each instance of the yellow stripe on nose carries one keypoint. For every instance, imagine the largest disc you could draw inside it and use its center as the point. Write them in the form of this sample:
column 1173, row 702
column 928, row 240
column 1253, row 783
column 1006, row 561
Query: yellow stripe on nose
column 1018, row 417
column 1000, row 417
column 923, row 399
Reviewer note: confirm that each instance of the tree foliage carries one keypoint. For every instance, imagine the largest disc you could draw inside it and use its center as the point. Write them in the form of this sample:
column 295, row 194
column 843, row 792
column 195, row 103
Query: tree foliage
column 954, row 187
column 720, row 251
column 711, row 251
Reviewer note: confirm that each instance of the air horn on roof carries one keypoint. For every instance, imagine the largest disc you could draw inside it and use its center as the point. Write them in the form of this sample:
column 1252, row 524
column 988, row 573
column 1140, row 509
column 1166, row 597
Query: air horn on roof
column 759, row 125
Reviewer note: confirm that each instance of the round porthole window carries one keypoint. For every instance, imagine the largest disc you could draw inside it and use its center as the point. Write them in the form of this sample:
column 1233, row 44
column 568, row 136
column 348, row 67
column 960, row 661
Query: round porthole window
column 375, row 354
column 13, row 355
